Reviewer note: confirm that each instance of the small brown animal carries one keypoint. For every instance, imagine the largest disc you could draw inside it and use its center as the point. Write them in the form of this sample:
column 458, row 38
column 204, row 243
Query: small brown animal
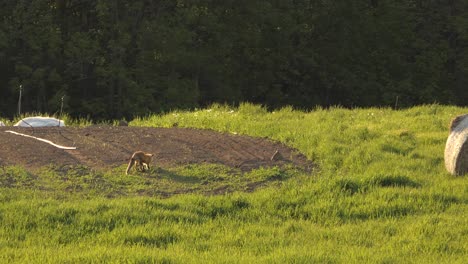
column 123, row 123
column 141, row 160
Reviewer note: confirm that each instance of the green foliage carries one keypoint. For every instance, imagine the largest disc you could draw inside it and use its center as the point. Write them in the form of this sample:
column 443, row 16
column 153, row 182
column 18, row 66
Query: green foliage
column 380, row 195
column 14, row 177
column 120, row 59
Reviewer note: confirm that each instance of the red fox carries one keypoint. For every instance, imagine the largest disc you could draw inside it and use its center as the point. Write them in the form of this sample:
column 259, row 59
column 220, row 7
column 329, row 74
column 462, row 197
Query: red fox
column 141, row 160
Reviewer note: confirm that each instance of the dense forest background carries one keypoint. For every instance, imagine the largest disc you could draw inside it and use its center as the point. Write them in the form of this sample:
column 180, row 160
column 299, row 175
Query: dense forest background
column 118, row 58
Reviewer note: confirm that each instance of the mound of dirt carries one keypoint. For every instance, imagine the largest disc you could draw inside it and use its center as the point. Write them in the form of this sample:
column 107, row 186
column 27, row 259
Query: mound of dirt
column 101, row 147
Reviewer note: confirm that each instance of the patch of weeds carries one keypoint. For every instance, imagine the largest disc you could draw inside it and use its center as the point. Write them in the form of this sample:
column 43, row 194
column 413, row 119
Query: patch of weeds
column 393, row 181
column 14, row 176
column 267, row 174
column 162, row 240
column 76, row 179
column 406, row 135
column 443, row 200
column 348, row 186
column 392, row 210
column 66, row 172
column 240, row 203
column 402, row 144
column 224, row 208
column 204, row 172
column 249, row 109
column 76, row 170
column 156, row 204
column 364, row 134
column 396, row 148
column 61, row 216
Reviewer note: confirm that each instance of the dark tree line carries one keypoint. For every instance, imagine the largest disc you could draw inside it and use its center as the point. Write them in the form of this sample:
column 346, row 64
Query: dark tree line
column 116, row 58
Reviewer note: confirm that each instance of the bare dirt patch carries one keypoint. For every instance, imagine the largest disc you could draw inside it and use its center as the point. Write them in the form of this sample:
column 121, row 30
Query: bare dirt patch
column 103, row 147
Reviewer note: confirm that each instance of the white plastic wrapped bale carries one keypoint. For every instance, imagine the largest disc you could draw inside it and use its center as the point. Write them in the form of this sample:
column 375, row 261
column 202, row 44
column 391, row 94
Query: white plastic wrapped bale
column 39, row 121
column 456, row 149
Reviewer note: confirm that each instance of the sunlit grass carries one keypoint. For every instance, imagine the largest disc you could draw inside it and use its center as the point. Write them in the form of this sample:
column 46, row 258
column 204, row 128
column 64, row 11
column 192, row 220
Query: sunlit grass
column 380, row 194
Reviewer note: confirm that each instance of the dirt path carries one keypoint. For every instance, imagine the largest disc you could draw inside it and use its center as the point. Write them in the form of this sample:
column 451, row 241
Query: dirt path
column 107, row 146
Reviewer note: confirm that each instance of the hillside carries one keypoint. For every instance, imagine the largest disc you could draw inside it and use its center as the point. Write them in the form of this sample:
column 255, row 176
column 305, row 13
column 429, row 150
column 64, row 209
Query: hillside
column 379, row 194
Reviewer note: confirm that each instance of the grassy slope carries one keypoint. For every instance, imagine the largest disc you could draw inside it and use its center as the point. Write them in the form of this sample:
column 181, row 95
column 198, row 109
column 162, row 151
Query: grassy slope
column 381, row 195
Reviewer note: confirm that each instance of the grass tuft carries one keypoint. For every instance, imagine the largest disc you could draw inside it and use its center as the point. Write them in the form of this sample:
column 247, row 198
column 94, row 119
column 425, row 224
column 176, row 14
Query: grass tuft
column 393, row 181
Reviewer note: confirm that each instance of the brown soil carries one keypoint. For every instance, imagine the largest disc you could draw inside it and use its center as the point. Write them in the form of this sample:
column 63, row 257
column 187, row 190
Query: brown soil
column 101, row 147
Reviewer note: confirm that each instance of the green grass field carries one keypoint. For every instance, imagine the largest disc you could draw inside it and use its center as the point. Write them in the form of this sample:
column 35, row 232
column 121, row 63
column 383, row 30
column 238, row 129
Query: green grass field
column 380, row 194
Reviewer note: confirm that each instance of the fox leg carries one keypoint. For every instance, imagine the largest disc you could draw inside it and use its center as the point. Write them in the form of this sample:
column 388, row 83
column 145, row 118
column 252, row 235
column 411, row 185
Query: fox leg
column 139, row 165
column 131, row 163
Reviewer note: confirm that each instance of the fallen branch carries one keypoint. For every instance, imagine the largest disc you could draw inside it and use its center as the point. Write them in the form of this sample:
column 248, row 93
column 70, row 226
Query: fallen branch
column 276, row 155
column 41, row 139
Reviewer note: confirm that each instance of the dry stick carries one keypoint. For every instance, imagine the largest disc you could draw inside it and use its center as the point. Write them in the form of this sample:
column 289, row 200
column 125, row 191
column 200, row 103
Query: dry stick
column 41, row 139
column 274, row 155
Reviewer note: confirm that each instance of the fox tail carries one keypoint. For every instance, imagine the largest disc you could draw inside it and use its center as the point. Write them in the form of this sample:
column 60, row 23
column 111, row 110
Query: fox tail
column 130, row 165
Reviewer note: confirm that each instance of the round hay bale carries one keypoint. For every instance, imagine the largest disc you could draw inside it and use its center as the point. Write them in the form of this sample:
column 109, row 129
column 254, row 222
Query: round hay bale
column 456, row 149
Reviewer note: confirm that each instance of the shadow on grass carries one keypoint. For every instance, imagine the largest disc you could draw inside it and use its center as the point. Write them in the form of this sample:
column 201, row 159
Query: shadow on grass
column 350, row 186
column 393, row 181
column 174, row 176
